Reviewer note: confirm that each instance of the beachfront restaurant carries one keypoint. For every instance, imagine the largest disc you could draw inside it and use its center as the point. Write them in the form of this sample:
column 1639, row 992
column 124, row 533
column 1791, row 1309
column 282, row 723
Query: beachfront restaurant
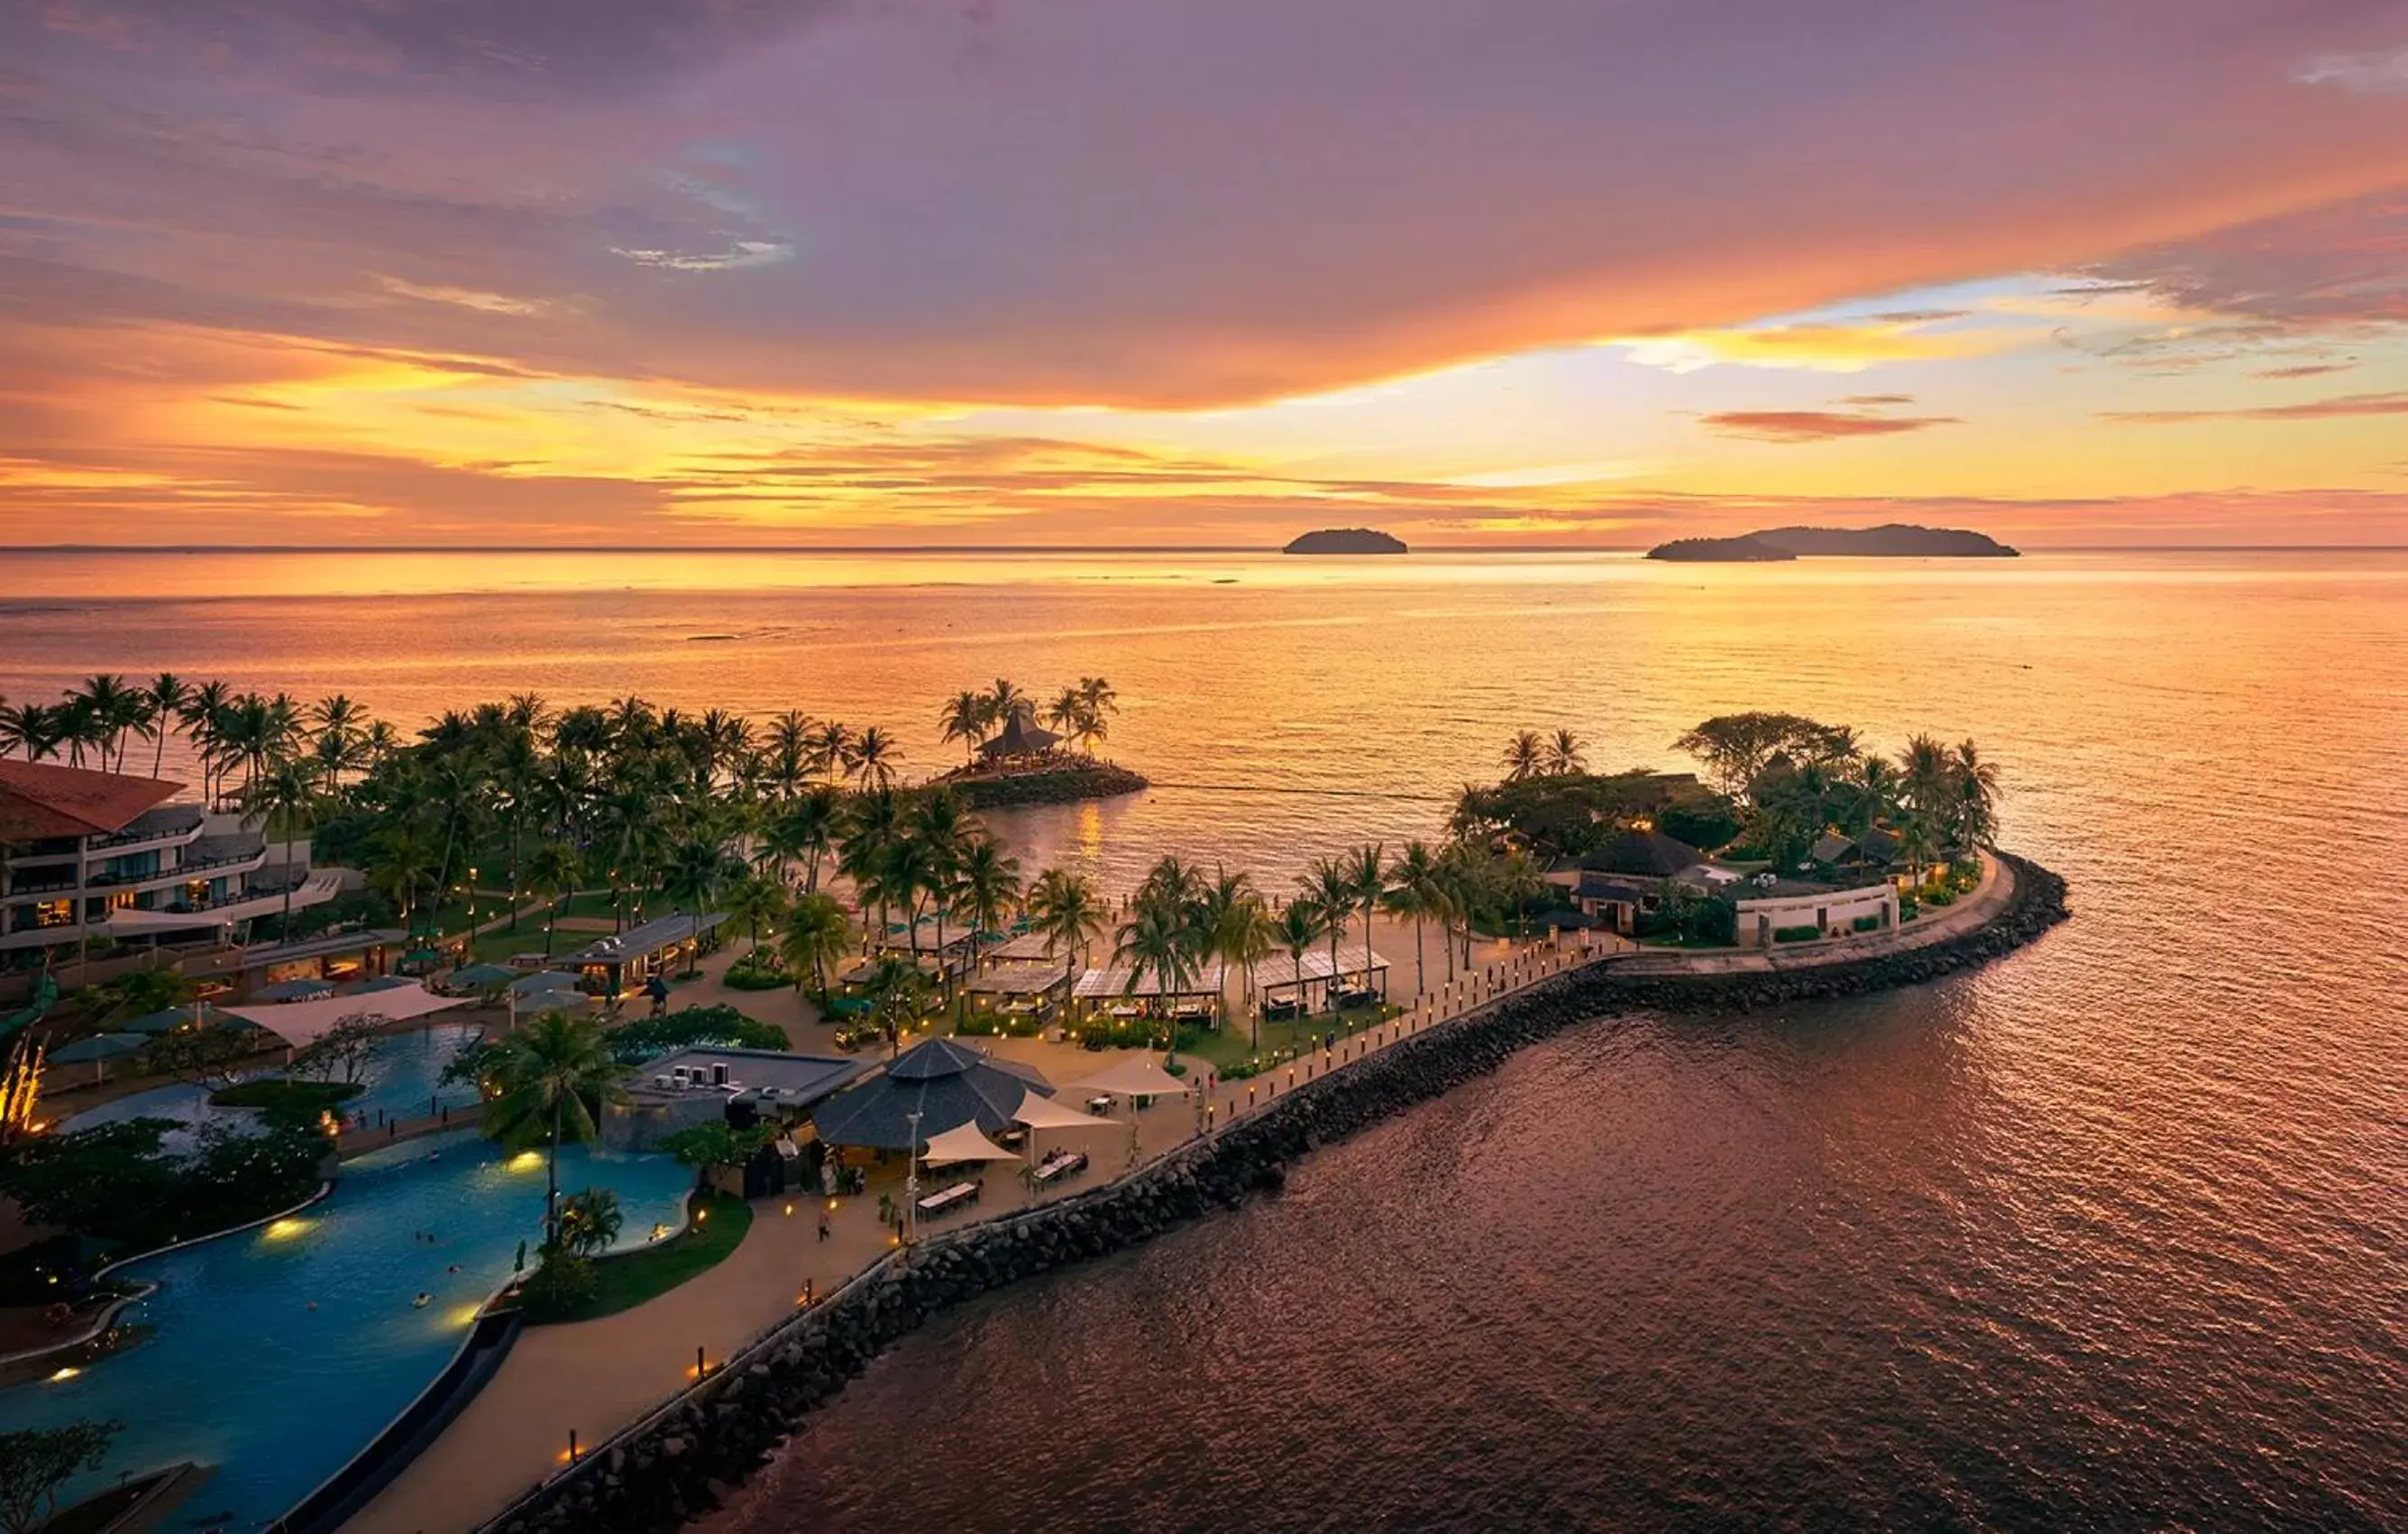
column 958, row 949
column 1121, row 994
column 619, row 965
column 1288, row 988
column 337, row 958
column 740, row 1087
column 1018, row 991
column 927, row 1090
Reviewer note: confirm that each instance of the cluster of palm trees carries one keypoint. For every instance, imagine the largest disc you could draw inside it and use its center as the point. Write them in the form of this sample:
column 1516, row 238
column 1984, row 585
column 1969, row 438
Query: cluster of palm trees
column 239, row 737
column 1529, row 756
column 1931, row 796
column 1082, row 713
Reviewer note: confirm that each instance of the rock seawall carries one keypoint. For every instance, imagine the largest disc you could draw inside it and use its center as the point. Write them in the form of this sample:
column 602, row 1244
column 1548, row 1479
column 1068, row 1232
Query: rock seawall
column 681, row 1463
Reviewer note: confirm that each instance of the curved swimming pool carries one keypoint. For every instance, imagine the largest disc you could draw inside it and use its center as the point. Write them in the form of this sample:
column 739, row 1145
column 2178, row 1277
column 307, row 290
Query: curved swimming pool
column 402, row 1078
column 275, row 1355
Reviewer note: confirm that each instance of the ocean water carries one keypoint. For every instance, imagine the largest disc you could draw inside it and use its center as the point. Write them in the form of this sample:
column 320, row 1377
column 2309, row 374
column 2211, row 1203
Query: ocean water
column 2108, row 1235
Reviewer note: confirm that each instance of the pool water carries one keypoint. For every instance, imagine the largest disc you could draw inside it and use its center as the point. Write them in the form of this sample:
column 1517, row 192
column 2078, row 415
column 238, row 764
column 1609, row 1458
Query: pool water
column 242, row 1372
column 402, row 1079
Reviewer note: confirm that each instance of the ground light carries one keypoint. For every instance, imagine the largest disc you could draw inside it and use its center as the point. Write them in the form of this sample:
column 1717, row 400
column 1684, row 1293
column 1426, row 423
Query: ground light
column 285, row 1229
column 68, row 1373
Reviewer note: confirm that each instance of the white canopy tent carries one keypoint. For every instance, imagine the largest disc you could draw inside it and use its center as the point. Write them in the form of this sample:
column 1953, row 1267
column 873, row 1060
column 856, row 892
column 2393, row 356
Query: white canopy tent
column 962, row 1142
column 1138, row 1076
column 299, row 1023
column 1038, row 1113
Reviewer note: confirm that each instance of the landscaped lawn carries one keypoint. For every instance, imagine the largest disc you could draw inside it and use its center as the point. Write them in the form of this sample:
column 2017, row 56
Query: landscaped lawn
column 624, row 1283
column 1234, row 1045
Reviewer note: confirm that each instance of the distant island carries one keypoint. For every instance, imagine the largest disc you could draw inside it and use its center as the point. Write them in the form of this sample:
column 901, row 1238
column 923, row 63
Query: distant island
column 1346, row 540
column 1896, row 539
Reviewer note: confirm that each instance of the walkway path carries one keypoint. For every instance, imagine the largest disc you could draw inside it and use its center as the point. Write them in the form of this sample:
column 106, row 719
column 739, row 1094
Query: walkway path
column 596, row 1378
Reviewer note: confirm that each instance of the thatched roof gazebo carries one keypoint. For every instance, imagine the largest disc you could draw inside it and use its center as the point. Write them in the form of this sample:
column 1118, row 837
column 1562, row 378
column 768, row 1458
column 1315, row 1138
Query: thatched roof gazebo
column 1019, row 736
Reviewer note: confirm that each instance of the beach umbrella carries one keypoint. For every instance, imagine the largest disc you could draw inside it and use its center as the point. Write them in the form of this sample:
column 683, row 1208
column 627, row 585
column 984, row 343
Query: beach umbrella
column 478, row 977
column 196, row 1014
column 99, row 1048
column 382, row 982
column 549, row 979
column 1135, row 1076
column 294, row 990
column 551, row 1002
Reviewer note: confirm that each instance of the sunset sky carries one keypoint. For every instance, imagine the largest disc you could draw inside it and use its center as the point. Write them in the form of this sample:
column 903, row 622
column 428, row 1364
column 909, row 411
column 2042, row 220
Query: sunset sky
column 1562, row 272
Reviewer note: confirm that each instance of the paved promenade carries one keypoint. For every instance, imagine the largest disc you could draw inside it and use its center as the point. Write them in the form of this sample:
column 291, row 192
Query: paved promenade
column 597, row 1377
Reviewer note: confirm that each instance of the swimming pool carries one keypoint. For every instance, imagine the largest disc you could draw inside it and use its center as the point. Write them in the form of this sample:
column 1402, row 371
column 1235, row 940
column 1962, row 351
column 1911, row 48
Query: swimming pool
column 401, row 1077
column 243, row 1374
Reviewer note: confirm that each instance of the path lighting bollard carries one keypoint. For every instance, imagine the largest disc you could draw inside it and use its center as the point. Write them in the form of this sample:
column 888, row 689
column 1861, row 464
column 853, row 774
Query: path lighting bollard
column 1249, row 1094
column 572, row 1445
column 700, row 1368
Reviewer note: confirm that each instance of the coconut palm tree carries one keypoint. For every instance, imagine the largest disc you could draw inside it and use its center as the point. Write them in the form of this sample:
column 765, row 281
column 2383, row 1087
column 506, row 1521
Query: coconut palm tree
column 552, row 870
column 590, row 1221
column 965, row 719
column 1525, row 757
column 549, row 1082
column 699, row 872
column 1330, row 884
column 813, row 935
column 1161, row 942
column 1301, row 923
column 1417, row 891
column 805, row 829
column 756, row 902
column 199, row 714
column 897, row 990
column 987, row 884
column 1566, row 753
column 1065, row 908
column 873, row 757
column 831, row 748
column 167, row 697
column 1243, row 934
column 1974, row 786
column 286, row 798
column 1370, row 870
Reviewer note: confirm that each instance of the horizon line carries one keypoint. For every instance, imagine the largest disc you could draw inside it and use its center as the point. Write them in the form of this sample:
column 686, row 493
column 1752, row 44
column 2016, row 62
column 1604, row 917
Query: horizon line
column 1063, row 549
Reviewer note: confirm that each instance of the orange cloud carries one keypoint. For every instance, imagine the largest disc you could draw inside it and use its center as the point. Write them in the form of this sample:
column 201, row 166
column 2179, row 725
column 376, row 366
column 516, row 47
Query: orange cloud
column 1817, row 425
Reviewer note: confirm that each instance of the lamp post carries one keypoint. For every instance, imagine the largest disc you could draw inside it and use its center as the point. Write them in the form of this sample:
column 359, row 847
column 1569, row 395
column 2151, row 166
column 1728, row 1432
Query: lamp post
column 912, row 1183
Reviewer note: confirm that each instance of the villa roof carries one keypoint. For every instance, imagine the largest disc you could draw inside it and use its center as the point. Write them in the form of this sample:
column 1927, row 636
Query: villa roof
column 1122, row 980
column 1649, row 853
column 1830, row 847
column 1606, row 886
column 794, row 1080
column 39, row 801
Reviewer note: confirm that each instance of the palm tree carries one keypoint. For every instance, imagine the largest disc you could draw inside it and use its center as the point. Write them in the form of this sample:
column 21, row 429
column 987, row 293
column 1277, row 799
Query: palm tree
column 873, row 821
column 831, row 748
column 287, row 795
column 1420, row 893
column 115, row 709
column 873, row 757
column 549, row 1082
column 965, row 719
column 201, row 711
column 1162, row 942
column 1974, row 783
column 1370, row 871
column 1003, row 698
column 590, row 1221
column 697, row 873
column 814, row 936
column 1244, row 935
column 756, row 901
column 807, row 829
column 1065, row 908
column 1300, row 924
column 943, row 833
column 1525, row 757
column 554, row 870
column 987, row 882
column 896, row 989
column 1330, row 884
column 1565, row 754
column 167, row 694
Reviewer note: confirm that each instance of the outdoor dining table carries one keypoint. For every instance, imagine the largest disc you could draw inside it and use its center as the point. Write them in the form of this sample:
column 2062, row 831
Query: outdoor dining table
column 1059, row 1165
column 1100, row 1103
column 945, row 1198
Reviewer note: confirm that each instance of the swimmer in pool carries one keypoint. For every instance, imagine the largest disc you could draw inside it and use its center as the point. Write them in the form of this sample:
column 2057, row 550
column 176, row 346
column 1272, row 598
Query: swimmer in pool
column 423, row 1301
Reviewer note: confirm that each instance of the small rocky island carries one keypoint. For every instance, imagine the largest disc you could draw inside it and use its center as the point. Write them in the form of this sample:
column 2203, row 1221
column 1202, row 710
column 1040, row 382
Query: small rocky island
column 1895, row 540
column 1346, row 540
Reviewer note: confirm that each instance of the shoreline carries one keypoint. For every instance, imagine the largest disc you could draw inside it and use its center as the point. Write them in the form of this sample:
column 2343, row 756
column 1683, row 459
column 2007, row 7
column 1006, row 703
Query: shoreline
column 681, row 1461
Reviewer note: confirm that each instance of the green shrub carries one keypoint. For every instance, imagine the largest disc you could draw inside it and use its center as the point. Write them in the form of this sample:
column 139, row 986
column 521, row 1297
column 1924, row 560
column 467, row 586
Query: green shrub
column 1867, row 924
column 1796, row 934
column 758, row 977
column 562, row 1286
column 716, row 1028
column 1938, row 897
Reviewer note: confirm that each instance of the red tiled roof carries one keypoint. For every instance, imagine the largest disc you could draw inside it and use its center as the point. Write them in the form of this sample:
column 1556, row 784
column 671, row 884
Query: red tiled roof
column 38, row 800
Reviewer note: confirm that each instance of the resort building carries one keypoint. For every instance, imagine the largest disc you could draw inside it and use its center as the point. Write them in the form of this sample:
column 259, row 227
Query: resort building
column 1631, row 876
column 1778, row 910
column 618, row 965
column 87, row 853
column 741, row 1087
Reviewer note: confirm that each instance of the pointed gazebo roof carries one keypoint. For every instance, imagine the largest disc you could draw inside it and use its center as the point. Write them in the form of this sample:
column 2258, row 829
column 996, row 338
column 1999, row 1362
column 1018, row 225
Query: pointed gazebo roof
column 1021, row 737
column 946, row 1083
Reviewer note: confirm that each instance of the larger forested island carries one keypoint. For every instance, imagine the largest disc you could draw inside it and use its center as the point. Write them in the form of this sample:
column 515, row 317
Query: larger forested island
column 1345, row 541
column 1895, row 539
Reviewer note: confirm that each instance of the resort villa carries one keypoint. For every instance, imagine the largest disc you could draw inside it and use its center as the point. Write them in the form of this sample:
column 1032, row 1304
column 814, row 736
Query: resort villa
column 740, row 1087
column 87, row 853
column 1634, row 875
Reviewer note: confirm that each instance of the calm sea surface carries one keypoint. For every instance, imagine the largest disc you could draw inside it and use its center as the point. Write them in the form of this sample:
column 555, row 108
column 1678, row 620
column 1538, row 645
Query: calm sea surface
column 2109, row 1235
